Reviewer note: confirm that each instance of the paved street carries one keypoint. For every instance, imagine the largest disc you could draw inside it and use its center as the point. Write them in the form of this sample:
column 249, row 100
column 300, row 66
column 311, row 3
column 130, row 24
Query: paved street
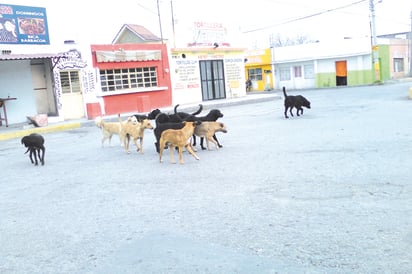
column 327, row 192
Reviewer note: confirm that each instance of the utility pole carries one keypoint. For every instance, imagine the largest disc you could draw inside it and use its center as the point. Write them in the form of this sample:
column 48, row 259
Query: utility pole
column 410, row 49
column 173, row 24
column 160, row 22
column 375, row 52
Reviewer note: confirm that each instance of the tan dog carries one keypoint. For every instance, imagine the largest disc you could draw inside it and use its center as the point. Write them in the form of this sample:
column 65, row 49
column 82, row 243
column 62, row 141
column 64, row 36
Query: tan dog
column 112, row 128
column 177, row 138
column 208, row 129
column 136, row 132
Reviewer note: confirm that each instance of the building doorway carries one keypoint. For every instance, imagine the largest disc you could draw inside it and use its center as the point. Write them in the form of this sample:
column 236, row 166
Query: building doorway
column 45, row 100
column 72, row 98
column 212, row 79
column 341, row 73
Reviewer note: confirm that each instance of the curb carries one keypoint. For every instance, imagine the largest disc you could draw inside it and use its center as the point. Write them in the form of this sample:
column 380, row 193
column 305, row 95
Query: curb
column 249, row 99
column 47, row 129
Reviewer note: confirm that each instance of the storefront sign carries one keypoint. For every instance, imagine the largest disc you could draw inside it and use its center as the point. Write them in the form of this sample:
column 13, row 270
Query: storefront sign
column 23, row 25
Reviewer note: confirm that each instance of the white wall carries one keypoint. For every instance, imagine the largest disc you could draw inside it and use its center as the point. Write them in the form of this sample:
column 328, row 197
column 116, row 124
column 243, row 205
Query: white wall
column 16, row 81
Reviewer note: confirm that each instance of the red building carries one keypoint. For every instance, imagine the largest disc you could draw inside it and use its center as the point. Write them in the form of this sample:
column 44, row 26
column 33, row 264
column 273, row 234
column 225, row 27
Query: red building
column 133, row 76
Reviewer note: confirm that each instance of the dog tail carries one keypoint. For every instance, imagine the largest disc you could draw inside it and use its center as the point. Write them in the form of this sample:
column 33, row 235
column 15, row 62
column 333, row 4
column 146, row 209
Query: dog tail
column 284, row 92
column 98, row 121
column 199, row 110
column 120, row 118
column 175, row 109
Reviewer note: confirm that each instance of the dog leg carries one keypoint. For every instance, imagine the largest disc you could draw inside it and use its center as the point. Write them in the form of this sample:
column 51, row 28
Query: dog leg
column 190, row 150
column 35, row 156
column 30, row 156
column 126, row 144
column 135, row 143
column 140, row 149
column 160, row 150
column 194, row 140
column 181, row 155
column 33, row 151
column 43, row 150
column 286, row 112
column 201, row 143
column 217, row 141
column 172, row 156
column 213, row 141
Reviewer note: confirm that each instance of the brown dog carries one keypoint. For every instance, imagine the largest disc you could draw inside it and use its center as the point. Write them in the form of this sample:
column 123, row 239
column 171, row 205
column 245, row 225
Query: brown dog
column 134, row 131
column 208, row 130
column 178, row 138
column 112, row 128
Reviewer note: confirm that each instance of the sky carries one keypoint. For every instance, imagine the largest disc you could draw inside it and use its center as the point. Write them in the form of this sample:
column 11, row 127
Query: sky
column 248, row 23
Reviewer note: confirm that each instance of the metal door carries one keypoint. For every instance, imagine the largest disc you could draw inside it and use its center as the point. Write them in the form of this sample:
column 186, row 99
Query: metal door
column 212, row 78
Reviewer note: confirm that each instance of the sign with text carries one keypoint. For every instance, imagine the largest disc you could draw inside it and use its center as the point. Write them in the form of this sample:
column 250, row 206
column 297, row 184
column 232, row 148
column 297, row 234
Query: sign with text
column 23, row 25
column 207, row 34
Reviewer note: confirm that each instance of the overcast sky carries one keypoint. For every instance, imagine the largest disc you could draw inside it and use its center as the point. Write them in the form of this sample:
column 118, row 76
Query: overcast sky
column 248, row 22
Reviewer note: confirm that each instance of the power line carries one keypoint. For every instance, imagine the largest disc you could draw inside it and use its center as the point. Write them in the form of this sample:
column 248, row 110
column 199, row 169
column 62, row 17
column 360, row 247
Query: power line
column 305, row 17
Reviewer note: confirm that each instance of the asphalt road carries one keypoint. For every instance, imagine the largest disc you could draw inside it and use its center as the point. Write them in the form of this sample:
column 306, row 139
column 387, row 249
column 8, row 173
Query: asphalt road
column 327, row 192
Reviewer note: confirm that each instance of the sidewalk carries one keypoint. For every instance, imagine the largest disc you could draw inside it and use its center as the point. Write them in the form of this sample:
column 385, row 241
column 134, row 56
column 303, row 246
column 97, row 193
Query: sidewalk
column 20, row 130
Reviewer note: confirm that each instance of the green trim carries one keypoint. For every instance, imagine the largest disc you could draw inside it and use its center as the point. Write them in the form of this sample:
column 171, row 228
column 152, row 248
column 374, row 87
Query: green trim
column 355, row 78
column 384, row 62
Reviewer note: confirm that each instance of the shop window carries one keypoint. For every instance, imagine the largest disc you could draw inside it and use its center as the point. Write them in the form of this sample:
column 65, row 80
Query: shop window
column 398, row 65
column 70, row 81
column 255, row 74
column 308, row 71
column 284, row 74
column 128, row 78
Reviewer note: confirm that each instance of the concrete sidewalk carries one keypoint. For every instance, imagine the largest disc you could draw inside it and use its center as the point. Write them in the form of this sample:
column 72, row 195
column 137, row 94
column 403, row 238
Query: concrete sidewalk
column 20, row 130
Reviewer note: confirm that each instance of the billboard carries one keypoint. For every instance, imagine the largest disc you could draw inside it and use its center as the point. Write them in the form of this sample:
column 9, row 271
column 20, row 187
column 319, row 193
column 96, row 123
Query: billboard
column 23, row 25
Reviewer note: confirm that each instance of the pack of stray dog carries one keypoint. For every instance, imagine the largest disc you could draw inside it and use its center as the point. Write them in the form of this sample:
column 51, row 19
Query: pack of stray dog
column 174, row 131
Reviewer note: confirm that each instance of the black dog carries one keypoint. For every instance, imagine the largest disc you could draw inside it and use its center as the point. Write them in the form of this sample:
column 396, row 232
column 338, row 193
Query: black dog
column 212, row 116
column 184, row 115
column 151, row 115
column 177, row 117
column 35, row 144
column 295, row 101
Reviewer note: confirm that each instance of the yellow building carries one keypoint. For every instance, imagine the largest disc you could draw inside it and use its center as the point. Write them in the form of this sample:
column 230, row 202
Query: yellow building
column 258, row 69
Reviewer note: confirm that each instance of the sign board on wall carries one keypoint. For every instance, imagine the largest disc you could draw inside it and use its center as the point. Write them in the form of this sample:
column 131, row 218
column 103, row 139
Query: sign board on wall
column 206, row 34
column 23, row 25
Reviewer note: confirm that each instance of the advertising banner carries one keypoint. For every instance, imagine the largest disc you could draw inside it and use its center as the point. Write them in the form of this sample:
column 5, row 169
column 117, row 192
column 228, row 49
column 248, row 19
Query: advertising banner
column 23, row 25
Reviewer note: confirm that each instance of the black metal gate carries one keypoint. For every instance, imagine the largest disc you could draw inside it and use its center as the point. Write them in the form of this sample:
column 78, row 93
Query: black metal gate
column 212, row 78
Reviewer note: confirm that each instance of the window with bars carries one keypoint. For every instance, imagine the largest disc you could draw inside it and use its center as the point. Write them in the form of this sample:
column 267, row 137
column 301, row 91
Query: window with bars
column 128, row 78
column 284, row 74
column 255, row 74
column 309, row 71
column 70, row 81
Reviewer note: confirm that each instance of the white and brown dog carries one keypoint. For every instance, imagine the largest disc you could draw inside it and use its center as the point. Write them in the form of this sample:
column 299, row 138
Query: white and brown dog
column 179, row 138
column 112, row 128
column 135, row 131
column 208, row 129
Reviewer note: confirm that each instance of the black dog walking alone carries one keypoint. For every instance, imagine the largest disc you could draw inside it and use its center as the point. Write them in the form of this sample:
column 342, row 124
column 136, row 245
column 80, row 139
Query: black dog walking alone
column 295, row 101
column 35, row 145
